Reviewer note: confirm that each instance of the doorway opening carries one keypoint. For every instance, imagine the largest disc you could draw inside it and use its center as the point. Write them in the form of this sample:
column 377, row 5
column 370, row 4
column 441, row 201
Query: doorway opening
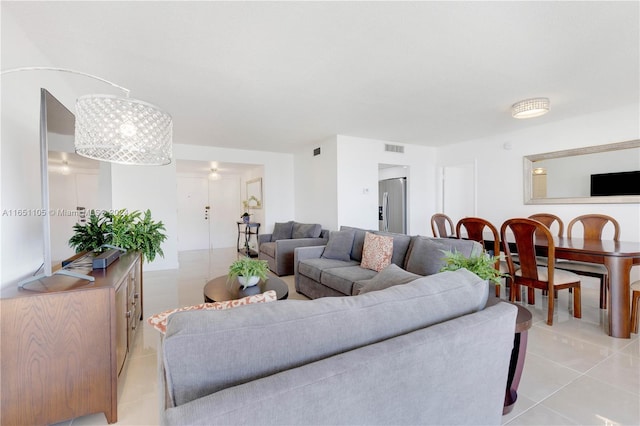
column 210, row 202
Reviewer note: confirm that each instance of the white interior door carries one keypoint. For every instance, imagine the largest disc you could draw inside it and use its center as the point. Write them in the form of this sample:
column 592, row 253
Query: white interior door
column 225, row 204
column 193, row 215
column 459, row 191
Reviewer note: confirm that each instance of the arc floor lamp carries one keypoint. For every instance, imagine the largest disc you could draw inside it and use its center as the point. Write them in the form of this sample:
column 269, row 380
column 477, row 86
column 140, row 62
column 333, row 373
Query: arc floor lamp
column 118, row 129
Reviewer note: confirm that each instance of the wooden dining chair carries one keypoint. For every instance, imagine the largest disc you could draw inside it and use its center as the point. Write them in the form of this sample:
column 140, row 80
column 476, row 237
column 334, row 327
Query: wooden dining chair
column 473, row 228
column 529, row 273
column 635, row 301
column 592, row 227
column 439, row 224
column 551, row 221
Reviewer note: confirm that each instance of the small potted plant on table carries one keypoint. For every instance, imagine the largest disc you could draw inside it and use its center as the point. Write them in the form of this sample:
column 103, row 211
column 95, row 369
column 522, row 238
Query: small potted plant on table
column 248, row 271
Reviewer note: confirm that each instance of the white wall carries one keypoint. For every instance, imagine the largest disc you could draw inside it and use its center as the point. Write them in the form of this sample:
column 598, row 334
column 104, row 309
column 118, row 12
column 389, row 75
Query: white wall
column 150, row 187
column 357, row 164
column 340, row 186
column 316, row 187
column 500, row 174
column 21, row 250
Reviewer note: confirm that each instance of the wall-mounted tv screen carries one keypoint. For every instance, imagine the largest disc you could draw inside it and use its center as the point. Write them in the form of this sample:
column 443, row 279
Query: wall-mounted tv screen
column 620, row 183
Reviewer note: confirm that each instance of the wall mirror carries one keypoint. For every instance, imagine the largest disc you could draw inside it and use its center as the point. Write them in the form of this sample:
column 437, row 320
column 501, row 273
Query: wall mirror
column 572, row 176
column 254, row 193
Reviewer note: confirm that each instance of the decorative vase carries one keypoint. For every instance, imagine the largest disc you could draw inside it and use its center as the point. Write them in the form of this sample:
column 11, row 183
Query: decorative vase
column 248, row 281
column 246, row 219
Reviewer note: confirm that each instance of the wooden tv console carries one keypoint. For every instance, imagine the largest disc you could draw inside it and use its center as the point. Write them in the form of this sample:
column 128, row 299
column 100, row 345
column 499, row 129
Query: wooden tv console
column 64, row 342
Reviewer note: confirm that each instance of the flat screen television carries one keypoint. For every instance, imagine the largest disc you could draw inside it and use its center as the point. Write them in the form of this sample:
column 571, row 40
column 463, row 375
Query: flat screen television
column 619, row 183
column 57, row 129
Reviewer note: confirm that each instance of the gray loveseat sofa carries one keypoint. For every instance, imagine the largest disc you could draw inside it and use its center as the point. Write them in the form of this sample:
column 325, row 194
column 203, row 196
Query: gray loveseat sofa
column 427, row 352
column 335, row 269
column 278, row 247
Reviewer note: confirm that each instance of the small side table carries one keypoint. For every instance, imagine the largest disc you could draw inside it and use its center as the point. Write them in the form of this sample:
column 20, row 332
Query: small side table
column 516, row 365
column 247, row 229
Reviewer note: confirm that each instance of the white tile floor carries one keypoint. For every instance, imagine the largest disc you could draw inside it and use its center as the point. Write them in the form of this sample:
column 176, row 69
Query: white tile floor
column 574, row 373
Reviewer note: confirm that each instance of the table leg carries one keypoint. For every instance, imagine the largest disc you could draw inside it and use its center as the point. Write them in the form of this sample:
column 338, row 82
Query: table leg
column 619, row 295
column 515, row 370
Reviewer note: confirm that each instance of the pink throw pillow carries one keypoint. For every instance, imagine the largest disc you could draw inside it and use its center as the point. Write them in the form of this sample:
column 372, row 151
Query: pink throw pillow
column 159, row 321
column 377, row 251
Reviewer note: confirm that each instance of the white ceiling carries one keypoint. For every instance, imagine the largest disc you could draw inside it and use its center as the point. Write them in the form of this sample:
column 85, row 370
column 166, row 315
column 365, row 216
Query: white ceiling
column 278, row 75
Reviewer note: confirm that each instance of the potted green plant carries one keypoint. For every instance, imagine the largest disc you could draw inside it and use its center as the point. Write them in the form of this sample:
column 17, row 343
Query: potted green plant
column 248, row 271
column 482, row 265
column 130, row 231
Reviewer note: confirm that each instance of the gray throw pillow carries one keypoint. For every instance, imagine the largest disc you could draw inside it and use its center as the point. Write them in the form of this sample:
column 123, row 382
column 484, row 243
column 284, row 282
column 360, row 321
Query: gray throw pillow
column 306, row 230
column 282, row 231
column 339, row 245
column 388, row 277
column 426, row 257
column 358, row 241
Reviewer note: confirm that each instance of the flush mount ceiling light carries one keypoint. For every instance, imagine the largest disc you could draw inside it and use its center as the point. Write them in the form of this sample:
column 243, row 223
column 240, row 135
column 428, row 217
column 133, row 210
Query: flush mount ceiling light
column 119, row 130
column 529, row 108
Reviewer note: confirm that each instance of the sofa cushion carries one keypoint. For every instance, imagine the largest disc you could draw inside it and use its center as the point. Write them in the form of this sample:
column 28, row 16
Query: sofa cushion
column 401, row 244
column 425, row 256
column 306, row 230
column 317, row 329
column 339, row 245
column 358, row 242
column 268, row 248
column 282, row 231
column 342, row 279
column 313, row 268
column 377, row 251
column 388, row 277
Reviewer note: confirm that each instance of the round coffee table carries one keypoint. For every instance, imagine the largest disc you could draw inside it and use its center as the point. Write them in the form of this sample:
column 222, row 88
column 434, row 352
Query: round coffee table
column 217, row 290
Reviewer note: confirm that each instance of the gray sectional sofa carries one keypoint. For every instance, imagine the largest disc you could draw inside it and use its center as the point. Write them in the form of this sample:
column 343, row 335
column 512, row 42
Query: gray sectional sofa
column 335, row 269
column 427, row 352
column 278, row 247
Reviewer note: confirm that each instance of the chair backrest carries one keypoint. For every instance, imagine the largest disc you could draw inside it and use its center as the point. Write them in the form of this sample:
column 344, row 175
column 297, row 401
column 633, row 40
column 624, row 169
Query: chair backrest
column 475, row 227
column 593, row 224
column 525, row 232
column 549, row 219
column 439, row 222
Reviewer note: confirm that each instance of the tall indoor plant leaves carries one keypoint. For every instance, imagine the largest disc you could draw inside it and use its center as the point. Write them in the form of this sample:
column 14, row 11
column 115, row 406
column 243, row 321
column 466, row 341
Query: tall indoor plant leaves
column 129, row 231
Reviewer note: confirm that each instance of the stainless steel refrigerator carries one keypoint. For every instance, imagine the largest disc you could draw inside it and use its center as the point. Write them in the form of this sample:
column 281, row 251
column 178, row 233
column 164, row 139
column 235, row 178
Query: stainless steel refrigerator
column 392, row 206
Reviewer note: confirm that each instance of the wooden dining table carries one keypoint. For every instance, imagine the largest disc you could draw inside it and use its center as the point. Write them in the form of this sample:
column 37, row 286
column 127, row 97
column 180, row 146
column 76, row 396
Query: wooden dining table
column 618, row 257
